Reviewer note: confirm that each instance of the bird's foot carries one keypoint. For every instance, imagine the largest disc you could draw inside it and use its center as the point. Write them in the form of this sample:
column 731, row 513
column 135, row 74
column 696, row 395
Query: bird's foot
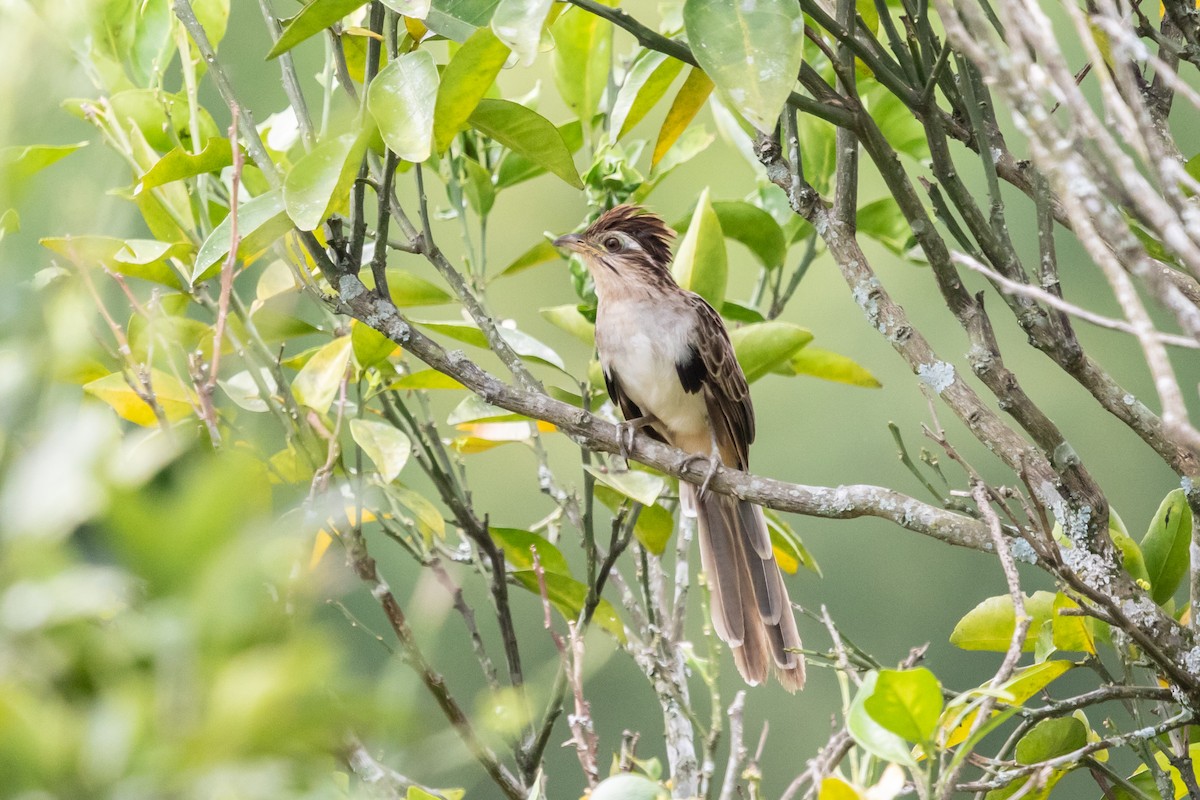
column 714, row 466
column 627, row 430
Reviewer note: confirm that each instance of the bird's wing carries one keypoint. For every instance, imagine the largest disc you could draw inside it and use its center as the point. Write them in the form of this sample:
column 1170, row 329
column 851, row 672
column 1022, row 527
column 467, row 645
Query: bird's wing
column 629, row 409
column 713, row 368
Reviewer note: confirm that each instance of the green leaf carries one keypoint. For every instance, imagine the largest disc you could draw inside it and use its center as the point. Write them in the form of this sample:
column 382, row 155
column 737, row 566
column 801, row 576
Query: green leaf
column 138, row 36
column 261, row 221
column 694, row 141
column 629, row 786
column 1165, row 545
column 181, row 163
column 464, row 332
column 163, row 120
column 763, row 346
column 516, row 168
column 831, row 366
column 312, row 19
column 408, row 290
column 426, row 379
column 1018, row 788
column 884, row 222
column 519, row 23
column 244, row 392
column 568, row 596
column 869, row 734
column 531, row 349
column 906, row 702
column 458, row 19
column 753, row 227
column 401, row 99
column 700, row 265
column 320, row 181
column 134, row 258
column 582, row 56
column 897, row 123
column 688, row 102
column 569, row 319
column 741, row 312
column 19, row 162
column 465, row 81
column 790, row 552
column 1154, row 248
column 384, row 444
column 1131, row 555
column 428, row 519
column 10, row 222
column 478, row 187
column 371, row 348
column 213, row 16
column 319, row 380
column 528, row 133
column 540, row 253
column 474, row 408
column 413, row 9
column 751, row 50
column 991, row 624
column 818, row 143
column 1051, row 738
column 654, row 524
column 519, row 546
column 635, row 484
column 644, row 85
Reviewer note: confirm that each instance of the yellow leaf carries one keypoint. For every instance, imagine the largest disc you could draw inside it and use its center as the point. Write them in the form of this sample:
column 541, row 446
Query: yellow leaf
column 691, row 98
column 319, row 379
column 1071, row 632
column 786, row 561
column 320, row 545
column 837, row 789
column 483, row 436
column 1027, row 682
column 325, row 536
column 416, row 28
column 172, row 397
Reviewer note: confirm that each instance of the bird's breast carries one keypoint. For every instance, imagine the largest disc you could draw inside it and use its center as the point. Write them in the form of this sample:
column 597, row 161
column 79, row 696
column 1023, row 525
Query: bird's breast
column 642, row 342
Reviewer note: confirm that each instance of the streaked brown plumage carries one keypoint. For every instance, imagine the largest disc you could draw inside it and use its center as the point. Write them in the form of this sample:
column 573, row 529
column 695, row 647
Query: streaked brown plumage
column 670, row 368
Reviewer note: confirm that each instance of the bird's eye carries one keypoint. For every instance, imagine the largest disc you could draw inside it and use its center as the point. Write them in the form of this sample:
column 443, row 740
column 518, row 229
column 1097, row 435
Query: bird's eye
column 612, row 244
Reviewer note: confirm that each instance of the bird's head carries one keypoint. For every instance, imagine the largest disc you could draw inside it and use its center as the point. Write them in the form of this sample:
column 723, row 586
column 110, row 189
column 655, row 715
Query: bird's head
column 625, row 247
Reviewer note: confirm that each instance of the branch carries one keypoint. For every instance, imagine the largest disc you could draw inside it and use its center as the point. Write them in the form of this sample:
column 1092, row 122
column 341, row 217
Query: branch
column 980, row 493
column 596, row 434
column 737, row 747
column 1075, row 756
column 1054, row 301
column 258, row 152
column 364, row 566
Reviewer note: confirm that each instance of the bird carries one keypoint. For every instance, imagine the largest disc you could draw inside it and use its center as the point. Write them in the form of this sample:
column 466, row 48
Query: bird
column 670, row 368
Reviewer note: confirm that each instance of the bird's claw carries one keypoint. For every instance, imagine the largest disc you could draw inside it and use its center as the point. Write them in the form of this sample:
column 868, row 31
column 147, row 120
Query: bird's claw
column 714, row 466
column 625, row 433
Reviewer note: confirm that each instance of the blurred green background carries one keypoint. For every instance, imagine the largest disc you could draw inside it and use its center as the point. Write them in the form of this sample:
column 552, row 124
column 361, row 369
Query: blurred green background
column 136, row 637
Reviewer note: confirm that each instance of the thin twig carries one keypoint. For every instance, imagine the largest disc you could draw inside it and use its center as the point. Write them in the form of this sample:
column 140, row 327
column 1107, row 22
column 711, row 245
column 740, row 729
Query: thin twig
column 737, row 747
column 1054, row 301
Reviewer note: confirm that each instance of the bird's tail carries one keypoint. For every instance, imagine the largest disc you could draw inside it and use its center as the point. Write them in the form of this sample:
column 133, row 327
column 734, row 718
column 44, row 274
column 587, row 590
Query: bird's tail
column 751, row 611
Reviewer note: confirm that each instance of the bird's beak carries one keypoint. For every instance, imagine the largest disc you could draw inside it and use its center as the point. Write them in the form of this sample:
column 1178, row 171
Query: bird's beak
column 571, row 241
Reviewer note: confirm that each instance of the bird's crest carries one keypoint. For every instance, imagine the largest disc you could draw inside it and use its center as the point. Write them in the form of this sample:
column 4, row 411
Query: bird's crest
column 654, row 235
